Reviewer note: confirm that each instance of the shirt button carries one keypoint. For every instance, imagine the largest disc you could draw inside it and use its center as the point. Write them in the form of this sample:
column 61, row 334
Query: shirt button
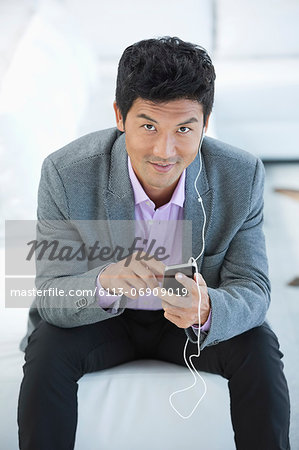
column 147, row 203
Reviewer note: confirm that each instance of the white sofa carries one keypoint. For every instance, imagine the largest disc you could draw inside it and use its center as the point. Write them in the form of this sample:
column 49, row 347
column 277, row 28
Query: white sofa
column 256, row 54
column 126, row 407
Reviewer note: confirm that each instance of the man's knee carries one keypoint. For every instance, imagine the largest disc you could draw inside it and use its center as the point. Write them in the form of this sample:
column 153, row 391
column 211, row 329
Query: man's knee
column 257, row 350
column 50, row 349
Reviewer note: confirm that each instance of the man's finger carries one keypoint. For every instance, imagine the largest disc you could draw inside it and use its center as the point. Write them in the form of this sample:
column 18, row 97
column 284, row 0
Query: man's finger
column 201, row 280
column 185, row 281
column 146, row 275
column 167, row 305
column 155, row 265
column 174, row 300
column 173, row 312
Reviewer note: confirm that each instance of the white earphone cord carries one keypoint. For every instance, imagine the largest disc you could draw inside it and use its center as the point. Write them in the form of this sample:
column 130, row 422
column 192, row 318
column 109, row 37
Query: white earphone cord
column 193, row 371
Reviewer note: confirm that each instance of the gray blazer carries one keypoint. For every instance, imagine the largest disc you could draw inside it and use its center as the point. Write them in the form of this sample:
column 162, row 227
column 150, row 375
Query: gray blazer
column 88, row 180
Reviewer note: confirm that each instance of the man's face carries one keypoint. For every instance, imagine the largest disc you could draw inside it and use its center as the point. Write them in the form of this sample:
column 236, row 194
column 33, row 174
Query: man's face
column 162, row 140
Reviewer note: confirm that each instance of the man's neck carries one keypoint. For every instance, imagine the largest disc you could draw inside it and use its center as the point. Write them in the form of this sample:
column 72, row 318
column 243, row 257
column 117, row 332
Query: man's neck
column 158, row 196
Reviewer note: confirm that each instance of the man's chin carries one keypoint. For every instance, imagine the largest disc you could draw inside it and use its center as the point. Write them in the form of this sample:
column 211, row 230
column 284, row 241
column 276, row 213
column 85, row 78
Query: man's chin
column 163, row 183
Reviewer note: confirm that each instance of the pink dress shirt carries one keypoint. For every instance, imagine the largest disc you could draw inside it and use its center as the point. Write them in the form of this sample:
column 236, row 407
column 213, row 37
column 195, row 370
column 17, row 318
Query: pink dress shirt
column 163, row 225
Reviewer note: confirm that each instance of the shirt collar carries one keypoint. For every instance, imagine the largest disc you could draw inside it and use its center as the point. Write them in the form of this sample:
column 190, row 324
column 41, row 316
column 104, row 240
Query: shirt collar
column 178, row 196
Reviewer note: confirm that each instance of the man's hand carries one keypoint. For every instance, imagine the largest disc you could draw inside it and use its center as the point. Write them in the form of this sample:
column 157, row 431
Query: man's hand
column 183, row 311
column 139, row 274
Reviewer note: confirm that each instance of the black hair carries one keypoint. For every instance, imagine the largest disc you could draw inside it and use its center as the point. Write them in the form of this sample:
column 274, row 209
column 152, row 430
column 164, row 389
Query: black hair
column 165, row 69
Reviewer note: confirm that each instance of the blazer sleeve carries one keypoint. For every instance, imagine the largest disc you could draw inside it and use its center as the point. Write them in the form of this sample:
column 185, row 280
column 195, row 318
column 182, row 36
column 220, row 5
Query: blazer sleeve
column 68, row 287
column 241, row 300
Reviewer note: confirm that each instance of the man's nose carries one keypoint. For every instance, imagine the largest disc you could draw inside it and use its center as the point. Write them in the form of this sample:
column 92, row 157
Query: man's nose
column 165, row 147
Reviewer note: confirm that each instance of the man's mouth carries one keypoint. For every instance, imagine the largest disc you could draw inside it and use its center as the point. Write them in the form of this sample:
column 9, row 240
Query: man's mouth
column 162, row 167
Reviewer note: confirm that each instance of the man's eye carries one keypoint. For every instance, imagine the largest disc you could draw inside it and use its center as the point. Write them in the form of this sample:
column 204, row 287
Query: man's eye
column 149, row 127
column 184, row 130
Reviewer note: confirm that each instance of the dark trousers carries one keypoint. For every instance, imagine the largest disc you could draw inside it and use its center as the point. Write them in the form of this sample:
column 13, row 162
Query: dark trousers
column 56, row 358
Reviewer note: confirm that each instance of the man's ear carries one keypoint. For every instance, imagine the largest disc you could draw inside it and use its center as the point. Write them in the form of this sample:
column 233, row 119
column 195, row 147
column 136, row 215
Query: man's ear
column 207, row 123
column 118, row 117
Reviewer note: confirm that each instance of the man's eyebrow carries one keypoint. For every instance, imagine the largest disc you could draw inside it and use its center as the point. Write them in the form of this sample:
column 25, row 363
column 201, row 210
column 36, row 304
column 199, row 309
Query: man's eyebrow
column 191, row 120
column 145, row 116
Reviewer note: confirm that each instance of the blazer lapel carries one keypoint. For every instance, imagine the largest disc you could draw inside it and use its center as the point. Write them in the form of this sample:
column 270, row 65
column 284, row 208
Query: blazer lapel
column 119, row 198
column 192, row 207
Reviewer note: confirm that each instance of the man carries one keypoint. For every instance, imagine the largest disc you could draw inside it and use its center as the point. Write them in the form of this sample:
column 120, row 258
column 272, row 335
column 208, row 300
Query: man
column 146, row 170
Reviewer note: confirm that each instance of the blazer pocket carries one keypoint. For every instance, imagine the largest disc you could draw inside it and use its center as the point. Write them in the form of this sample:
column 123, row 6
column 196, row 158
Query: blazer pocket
column 213, row 260
column 211, row 268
